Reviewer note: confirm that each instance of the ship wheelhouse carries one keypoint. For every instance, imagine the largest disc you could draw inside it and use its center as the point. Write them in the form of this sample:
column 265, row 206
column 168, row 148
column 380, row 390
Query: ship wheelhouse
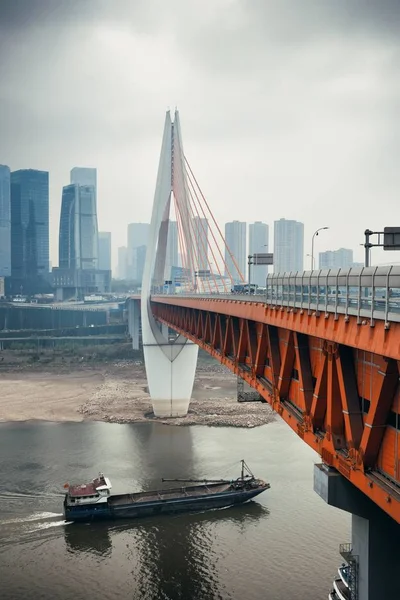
column 89, row 493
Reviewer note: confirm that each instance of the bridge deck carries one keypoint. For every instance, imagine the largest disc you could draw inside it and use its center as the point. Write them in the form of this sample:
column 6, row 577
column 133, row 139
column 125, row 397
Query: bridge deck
column 330, row 369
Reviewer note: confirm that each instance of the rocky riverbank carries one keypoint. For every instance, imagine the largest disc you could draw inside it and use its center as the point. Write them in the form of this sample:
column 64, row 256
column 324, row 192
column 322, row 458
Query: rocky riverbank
column 116, row 391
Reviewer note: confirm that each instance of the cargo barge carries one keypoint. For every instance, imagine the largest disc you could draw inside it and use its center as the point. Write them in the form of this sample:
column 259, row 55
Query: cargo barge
column 94, row 501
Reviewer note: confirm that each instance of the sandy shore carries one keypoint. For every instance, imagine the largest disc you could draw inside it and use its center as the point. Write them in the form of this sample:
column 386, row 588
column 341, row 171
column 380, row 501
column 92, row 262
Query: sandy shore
column 117, row 392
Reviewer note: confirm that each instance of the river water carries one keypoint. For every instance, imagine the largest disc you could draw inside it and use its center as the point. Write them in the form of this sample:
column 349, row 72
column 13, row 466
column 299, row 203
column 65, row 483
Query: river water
column 283, row 546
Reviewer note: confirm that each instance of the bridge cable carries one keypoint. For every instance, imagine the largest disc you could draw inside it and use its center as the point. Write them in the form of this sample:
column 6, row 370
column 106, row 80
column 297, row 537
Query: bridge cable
column 199, row 222
column 191, row 185
column 215, row 222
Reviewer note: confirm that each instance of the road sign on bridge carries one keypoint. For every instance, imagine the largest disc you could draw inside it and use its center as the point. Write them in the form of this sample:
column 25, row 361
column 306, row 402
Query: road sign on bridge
column 391, row 238
column 265, row 258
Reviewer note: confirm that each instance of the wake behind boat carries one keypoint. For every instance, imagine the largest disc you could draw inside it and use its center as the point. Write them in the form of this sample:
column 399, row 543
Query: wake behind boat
column 94, row 501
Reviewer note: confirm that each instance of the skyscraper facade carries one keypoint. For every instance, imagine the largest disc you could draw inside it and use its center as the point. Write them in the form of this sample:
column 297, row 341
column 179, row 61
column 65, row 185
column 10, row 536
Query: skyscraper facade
column 138, row 234
column 258, row 244
column 69, row 234
column 86, row 178
column 78, row 239
column 200, row 234
column 235, row 238
column 104, row 250
column 5, row 221
column 288, row 246
column 336, row 259
column 122, row 262
column 29, row 226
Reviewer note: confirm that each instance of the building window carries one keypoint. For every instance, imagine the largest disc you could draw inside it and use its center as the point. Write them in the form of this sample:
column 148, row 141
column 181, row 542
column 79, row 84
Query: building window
column 295, row 374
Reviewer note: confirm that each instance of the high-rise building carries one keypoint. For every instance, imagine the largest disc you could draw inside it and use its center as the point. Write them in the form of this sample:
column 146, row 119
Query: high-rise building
column 172, row 258
column 200, row 234
column 258, row 244
column 5, row 221
column 122, row 262
column 139, row 254
column 87, row 177
column 336, row 259
column 78, row 273
column 29, row 228
column 235, row 238
column 288, row 246
column 84, row 176
column 138, row 234
column 104, row 250
column 78, row 239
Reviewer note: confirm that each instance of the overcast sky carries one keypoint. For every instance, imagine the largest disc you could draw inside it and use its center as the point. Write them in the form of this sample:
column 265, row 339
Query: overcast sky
column 289, row 108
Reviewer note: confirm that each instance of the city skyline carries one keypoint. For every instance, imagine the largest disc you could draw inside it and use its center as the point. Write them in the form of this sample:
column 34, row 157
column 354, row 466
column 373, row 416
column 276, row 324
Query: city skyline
column 89, row 175
column 346, row 101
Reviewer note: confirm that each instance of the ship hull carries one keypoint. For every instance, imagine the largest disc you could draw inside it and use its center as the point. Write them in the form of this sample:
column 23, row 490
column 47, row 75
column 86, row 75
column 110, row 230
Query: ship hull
column 115, row 508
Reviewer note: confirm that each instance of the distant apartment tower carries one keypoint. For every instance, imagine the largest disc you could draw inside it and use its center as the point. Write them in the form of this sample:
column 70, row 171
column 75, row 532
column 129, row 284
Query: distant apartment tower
column 172, row 257
column 122, row 262
column 78, row 238
column 258, row 244
column 5, row 222
column 288, row 246
column 336, row 259
column 104, row 251
column 200, row 237
column 235, row 238
column 29, row 228
column 138, row 234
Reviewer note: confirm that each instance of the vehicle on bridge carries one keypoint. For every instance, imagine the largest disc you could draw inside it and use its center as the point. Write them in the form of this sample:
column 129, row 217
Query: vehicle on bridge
column 244, row 288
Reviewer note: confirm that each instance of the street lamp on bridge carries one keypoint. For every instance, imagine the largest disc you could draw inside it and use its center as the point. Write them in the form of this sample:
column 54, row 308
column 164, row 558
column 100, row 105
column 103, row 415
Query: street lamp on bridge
column 312, row 245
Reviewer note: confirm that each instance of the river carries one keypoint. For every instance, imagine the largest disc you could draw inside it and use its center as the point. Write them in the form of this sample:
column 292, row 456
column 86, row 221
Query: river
column 283, row 546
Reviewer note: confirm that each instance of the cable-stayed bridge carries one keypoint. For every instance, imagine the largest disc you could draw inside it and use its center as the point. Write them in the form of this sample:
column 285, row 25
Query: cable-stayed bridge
column 321, row 347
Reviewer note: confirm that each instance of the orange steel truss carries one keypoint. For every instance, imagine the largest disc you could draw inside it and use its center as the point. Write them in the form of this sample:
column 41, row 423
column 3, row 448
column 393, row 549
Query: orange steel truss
column 335, row 382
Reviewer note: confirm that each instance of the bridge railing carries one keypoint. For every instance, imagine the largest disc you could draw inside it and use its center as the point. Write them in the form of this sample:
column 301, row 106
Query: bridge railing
column 368, row 292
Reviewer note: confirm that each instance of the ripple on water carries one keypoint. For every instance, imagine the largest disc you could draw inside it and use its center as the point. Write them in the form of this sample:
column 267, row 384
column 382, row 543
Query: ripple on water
column 260, row 550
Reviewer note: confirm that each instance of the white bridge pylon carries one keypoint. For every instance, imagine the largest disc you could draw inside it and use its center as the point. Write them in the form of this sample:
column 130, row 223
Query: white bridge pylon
column 170, row 366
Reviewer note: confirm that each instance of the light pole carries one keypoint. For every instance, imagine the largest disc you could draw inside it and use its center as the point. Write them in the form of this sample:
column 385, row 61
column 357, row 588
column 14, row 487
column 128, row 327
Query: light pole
column 312, row 261
column 312, row 245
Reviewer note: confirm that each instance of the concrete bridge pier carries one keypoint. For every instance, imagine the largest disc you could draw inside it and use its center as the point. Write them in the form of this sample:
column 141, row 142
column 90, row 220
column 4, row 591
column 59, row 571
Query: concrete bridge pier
column 134, row 322
column 375, row 537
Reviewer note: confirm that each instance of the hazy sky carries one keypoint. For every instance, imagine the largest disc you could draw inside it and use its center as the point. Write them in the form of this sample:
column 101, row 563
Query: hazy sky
column 289, row 108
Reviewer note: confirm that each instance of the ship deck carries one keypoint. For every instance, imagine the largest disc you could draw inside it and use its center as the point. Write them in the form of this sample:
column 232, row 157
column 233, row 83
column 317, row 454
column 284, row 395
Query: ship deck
column 170, row 494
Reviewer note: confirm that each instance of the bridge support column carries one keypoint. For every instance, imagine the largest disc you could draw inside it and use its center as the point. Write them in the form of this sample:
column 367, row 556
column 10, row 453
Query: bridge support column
column 375, row 537
column 170, row 370
column 134, row 322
